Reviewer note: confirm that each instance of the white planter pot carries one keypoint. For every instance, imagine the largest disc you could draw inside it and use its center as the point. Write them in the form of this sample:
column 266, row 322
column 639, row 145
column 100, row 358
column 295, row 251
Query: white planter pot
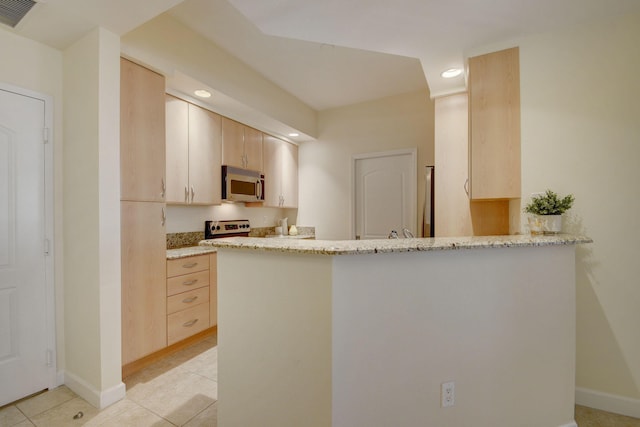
column 551, row 224
column 535, row 224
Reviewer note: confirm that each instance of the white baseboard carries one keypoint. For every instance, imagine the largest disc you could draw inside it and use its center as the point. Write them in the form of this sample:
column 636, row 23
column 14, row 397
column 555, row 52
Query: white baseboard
column 99, row 399
column 572, row 424
column 608, row 402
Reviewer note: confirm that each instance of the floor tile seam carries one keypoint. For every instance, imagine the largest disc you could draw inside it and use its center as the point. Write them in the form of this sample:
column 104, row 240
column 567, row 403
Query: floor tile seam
column 205, row 377
column 120, row 414
column 152, row 411
column 75, row 396
column 23, row 414
column 204, row 409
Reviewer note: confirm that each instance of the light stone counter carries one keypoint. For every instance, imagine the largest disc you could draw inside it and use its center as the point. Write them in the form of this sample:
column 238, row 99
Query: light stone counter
column 189, row 251
column 357, row 247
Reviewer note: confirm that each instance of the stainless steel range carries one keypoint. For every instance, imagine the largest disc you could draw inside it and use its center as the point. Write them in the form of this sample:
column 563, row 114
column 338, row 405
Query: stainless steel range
column 227, row 228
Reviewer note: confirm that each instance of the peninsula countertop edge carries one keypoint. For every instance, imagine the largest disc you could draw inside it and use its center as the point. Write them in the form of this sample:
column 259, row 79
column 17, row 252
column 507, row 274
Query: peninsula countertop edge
column 380, row 246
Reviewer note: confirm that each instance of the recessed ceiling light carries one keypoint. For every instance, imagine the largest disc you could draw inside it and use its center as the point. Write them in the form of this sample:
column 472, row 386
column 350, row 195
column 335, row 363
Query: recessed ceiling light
column 293, row 134
column 203, row 93
column 451, row 72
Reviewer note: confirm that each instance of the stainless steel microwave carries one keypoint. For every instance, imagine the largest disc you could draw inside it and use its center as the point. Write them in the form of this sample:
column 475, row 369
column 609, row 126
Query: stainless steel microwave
column 242, row 185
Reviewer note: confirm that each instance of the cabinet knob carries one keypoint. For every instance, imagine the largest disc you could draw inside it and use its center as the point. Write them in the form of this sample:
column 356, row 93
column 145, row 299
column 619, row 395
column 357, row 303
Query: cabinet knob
column 190, row 323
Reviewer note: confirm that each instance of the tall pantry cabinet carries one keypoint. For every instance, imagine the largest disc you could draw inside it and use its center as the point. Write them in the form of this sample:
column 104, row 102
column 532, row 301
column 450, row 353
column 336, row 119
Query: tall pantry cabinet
column 142, row 205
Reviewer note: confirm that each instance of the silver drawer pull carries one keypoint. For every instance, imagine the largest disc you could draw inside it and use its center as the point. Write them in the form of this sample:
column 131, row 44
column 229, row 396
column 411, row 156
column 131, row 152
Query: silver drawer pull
column 190, row 282
column 190, row 323
column 191, row 265
column 189, row 300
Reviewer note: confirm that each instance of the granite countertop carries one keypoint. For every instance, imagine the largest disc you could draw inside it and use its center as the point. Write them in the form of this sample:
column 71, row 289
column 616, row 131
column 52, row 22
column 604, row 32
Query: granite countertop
column 189, row 251
column 289, row 236
column 356, row 247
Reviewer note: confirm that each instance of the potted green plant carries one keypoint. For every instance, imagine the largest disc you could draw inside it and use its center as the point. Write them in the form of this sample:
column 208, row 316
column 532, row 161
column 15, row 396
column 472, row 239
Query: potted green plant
column 547, row 209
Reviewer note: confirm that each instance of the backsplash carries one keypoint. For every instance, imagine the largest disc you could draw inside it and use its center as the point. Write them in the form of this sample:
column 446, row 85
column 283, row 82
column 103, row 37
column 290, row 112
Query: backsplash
column 192, row 238
column 270, row 231
column 183, row 240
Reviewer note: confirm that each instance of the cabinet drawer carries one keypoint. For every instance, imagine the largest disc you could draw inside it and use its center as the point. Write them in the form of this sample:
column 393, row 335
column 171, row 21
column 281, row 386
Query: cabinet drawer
column 177, row 267
column 187, row 282
column 186, row 300
column 187, row 322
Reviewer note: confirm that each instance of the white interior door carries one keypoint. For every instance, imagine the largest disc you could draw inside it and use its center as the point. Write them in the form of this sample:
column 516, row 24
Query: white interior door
column 385, row 194
column 24, row 336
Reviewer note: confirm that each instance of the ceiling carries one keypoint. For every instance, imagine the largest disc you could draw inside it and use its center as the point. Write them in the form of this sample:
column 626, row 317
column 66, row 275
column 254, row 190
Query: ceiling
column 334, row 52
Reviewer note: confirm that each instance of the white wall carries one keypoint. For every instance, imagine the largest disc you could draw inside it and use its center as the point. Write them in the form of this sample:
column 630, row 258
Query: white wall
column 325, row 165
column 92, row 218
column 581, row 134
column 37, row 67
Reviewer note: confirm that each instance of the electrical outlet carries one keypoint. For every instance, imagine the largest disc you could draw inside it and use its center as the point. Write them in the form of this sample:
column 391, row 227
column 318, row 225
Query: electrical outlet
column 447, row 394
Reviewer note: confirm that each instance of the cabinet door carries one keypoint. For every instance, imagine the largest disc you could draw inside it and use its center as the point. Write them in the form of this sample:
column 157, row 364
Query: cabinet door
column 232, row 143
column 272, row 150
column 289, row 175
column 452, row 212
column 253, row 149
column 205, row 139
column 177, row 136
column 142, row 133
column 494, row 101
column 144, row 299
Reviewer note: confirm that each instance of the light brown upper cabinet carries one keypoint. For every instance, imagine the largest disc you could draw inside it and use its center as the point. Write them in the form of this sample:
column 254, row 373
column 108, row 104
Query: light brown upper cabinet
column 253, row 149
column 280, row 173
column 494, row 120
column 241, row 146
column 142, row 138
column 194, row 138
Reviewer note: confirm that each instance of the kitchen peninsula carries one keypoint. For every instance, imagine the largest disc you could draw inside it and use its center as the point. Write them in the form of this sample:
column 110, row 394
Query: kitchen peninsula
column 364, row 333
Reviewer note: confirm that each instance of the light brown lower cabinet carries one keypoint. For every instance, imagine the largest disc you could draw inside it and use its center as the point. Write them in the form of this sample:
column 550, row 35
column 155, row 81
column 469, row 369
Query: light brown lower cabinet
column 144, row 257
column 183, row 296
column 191, row 296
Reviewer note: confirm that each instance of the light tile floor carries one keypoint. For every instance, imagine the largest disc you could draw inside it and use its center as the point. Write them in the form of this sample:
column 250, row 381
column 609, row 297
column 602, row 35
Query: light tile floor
column 180, row 390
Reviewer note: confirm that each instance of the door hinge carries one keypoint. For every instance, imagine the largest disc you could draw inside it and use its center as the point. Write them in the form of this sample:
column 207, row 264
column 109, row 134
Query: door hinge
column 49, row 356
column 45, row 135
column 46, row 246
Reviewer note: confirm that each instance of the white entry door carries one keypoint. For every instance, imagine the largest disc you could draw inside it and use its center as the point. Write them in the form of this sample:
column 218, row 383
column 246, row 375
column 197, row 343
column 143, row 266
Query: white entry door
column 24, row 312
column 385, row 193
